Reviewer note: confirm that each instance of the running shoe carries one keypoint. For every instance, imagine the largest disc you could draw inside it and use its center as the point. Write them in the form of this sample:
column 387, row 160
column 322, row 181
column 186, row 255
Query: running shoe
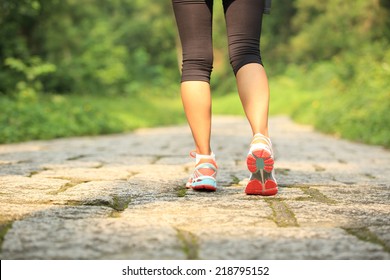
column 260, row 162
column 204, row 175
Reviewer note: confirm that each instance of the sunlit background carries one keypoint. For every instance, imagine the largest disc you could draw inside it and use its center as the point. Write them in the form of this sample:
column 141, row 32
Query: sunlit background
column 70, row 67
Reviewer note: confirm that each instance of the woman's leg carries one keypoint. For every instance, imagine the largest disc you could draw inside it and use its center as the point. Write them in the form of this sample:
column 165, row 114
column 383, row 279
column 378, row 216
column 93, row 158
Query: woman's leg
column 196, row 100
column 243, row 22
column 252, row 84
column 194, row 22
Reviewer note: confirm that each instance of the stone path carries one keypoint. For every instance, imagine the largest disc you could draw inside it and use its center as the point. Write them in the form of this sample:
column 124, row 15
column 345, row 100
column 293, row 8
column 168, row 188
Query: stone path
column 123, row 197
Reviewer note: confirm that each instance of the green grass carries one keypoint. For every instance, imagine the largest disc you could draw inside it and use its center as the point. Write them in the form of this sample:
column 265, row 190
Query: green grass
column 351, row 110
column 359, row 114
column 227, row 105
column 286, row 99
column 46, row 117
column 4, row 227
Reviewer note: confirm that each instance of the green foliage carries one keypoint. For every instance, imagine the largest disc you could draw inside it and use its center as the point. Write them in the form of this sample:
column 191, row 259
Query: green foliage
column 327, row 28
column 353, row 115
column 72, row 67
column 70, row 115
column 97, row 46
column 335, row 63
column 28, row 88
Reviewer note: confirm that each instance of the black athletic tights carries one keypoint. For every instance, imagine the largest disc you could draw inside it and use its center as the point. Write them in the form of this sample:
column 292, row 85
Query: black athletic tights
column 194, row 21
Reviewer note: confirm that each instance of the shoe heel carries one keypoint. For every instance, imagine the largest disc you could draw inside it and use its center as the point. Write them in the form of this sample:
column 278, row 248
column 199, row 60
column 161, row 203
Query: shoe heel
column 261, row 165
column 260, row 160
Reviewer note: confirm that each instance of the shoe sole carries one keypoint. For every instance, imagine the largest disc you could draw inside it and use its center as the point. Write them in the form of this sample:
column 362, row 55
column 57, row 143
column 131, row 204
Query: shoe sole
column 261, row 164
column 204, row 185
column 206, row 188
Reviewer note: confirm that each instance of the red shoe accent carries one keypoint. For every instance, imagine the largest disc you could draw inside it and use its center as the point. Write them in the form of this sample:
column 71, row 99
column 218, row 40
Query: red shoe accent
column 260, row 163
column 255, row 187
column 251, row 163
column 263, row 154
column 258, row 186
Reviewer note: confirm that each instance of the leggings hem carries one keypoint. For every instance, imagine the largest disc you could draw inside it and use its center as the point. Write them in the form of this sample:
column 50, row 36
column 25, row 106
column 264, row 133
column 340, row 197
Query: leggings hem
column 249, row 61
column 195, row 79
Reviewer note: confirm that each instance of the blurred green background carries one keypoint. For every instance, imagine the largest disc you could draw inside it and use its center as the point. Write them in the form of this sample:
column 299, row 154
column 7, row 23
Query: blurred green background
column 89, row 67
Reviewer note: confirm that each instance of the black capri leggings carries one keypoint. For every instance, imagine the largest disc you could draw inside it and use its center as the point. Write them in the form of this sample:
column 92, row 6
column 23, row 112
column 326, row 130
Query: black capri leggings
column 194, row 21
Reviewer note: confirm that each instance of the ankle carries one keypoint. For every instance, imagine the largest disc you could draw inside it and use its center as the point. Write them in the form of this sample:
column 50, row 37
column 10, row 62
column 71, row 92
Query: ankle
column 262, row 133
column 259, row 138
column 200, row 157
column 203, row 151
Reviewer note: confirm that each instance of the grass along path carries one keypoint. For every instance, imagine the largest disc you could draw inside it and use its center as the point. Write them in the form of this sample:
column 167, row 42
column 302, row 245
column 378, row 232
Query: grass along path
column 364, row 119
column 63, row 116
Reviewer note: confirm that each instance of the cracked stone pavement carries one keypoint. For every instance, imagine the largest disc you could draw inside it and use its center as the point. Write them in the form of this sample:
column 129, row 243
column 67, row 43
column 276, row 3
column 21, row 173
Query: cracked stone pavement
column 123, row 197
